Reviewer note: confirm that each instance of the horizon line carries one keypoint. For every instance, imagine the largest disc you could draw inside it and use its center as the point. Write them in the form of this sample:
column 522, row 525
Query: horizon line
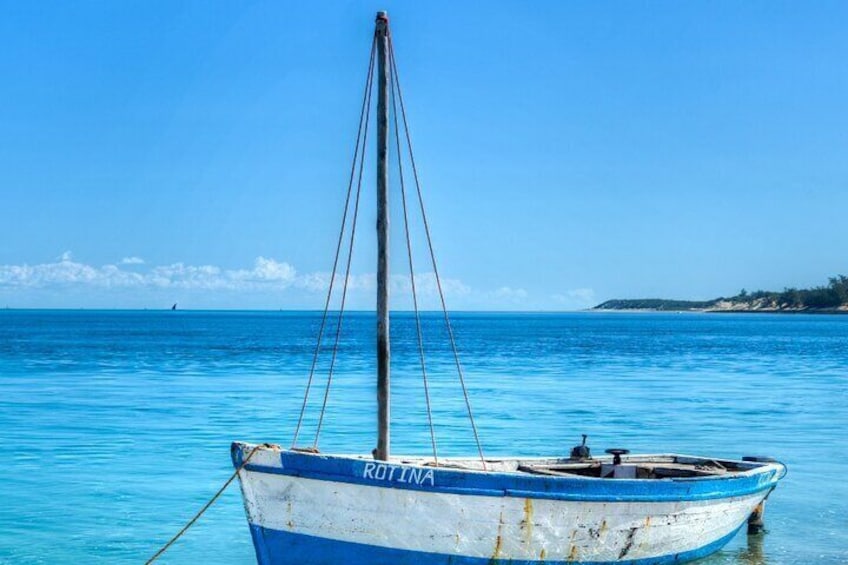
column 316, row 310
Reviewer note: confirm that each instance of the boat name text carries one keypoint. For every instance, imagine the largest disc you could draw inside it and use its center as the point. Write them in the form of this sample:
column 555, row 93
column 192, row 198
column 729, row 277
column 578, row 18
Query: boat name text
column 410, row 475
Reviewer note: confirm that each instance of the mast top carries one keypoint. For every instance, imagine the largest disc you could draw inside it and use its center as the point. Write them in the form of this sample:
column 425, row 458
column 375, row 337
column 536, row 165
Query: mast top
column 382, row 15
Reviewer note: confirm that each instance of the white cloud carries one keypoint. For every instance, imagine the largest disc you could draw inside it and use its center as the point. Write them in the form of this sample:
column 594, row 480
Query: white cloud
column 575, row 299
column 508, row 294
column 266, row 278
column 425, row 285
column 315, row 282
column 320, row 281
column 266, row 273
column 63, row 271
column 584, row 294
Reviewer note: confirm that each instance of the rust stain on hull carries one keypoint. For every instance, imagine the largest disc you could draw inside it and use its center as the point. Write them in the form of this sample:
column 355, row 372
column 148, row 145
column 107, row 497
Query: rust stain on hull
column 290, row 522
column 527, row 522
column 498, row 546
column 499, row 538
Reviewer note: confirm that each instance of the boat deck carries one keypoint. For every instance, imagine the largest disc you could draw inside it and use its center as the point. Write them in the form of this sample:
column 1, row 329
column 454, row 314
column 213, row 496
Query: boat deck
column 631, row 467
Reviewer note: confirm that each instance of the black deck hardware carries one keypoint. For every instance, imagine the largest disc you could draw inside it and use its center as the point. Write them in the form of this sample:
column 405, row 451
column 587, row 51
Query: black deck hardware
column 581, row 451
column 616, row 454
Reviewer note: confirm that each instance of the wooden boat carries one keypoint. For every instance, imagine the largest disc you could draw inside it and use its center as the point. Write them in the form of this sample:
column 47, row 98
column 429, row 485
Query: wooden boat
column 305, row 507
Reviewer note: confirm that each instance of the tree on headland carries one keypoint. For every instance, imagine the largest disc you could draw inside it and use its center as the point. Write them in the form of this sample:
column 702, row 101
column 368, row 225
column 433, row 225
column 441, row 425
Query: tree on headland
column 839, row 284
column 791, row 297
column 833, row 295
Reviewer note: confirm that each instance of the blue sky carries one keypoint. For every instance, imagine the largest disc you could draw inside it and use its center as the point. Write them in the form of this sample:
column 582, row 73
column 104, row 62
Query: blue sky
column 197, row 152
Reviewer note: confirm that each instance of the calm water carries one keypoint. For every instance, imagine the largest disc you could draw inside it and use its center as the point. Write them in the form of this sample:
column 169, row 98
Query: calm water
column 117, row 425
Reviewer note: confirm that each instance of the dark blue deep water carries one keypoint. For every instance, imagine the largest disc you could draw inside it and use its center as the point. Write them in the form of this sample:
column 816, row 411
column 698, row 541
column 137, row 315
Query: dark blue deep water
column 116, row 425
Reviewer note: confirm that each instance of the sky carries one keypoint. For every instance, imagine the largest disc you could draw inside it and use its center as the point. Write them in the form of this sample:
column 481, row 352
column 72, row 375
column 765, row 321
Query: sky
column 198, row 153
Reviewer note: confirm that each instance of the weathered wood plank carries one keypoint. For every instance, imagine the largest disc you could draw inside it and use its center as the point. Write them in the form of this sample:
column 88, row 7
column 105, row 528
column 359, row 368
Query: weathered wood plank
column 383, row 351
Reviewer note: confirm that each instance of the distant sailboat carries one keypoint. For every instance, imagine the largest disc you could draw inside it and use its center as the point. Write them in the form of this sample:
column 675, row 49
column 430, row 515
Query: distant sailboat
column 306, row 507
column 174, row 307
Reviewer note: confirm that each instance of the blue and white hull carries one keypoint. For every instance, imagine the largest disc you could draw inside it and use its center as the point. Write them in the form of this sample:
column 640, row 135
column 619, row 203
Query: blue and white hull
column 319, row 509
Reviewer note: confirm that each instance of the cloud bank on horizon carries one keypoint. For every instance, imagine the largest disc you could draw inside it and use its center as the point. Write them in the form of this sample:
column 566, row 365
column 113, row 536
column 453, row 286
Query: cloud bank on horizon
column 268, row 283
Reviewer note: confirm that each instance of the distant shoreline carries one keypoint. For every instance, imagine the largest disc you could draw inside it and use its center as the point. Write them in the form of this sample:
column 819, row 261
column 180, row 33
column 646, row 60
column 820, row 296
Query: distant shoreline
column 713, row 307
column 597, row 309
column 827, row 299
column 782, row 311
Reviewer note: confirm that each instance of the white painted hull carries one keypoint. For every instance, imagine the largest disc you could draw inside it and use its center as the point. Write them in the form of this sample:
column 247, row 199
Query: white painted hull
column 459, row 527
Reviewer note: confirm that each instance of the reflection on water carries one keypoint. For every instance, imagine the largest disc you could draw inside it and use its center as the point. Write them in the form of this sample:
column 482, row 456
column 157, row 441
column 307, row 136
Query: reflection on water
column 748, row 552
column 753, row 552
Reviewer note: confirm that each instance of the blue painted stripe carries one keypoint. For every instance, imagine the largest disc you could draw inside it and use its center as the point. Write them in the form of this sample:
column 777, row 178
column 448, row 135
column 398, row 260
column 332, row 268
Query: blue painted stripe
column 274, row 547
column 457, row 481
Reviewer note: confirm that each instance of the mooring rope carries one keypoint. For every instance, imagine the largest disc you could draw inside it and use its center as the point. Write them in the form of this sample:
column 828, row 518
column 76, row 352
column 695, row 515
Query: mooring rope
column 200, row 512
column 433, row 256
column 411, row 269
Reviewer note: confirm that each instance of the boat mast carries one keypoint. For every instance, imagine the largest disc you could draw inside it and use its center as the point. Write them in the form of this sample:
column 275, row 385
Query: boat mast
column 383, row 352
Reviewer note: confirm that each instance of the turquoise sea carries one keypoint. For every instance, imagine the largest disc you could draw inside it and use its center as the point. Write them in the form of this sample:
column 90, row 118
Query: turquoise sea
column 117, row 424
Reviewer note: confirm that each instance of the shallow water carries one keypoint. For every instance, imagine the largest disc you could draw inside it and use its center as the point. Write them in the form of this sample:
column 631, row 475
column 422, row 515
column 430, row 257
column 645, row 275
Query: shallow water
column 117, row 425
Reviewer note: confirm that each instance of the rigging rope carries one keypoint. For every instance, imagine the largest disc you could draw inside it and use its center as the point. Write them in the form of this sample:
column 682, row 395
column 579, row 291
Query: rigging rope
column 362, row 134
column 363, row 118
column 411, row 270
column 349, row 258
column 433, row 255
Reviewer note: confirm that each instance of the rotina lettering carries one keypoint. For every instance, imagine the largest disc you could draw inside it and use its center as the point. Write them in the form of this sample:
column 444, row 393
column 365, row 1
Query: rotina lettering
column 395, row 474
